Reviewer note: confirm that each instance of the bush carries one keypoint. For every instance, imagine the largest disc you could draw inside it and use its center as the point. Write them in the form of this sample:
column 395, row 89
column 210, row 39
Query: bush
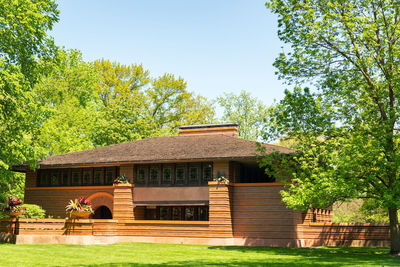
column 33, row 211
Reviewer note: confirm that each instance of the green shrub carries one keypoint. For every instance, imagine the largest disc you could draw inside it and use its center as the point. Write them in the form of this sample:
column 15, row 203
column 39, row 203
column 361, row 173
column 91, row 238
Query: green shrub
column 33, row 211
column 3, row 215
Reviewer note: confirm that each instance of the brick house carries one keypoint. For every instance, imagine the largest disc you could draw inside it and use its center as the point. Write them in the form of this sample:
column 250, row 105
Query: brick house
column 171, row 192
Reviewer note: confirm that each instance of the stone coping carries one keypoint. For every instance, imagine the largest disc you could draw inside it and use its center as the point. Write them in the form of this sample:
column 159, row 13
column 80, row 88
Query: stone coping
column 150, row 222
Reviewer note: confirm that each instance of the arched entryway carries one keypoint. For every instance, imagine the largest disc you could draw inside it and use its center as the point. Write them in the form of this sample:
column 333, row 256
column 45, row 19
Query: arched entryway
column 102, row 212
column 102, row 204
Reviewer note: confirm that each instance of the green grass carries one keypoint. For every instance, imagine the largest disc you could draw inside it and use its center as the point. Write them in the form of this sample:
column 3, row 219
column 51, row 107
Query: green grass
column 145, row 254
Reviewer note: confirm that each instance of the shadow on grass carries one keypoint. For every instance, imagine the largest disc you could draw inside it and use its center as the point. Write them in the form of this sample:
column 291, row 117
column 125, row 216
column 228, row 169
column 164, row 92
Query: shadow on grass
column 314, row 250
column 321, row 256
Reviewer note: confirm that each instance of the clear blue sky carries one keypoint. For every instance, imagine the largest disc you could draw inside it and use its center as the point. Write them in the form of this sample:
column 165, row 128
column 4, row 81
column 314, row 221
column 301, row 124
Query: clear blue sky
column 215, row 45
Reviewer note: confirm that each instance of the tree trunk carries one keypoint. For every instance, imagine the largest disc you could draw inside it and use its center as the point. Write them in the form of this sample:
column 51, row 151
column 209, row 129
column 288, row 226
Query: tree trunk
column 394, row 232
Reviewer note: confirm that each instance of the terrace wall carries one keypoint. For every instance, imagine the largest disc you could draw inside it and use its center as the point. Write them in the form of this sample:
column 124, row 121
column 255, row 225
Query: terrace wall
column 189, row 232
column 343, row 234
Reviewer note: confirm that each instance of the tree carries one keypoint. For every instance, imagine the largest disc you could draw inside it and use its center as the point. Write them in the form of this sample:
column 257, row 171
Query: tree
column 249, row 112
column 132, row 105
column 171, row 105
column 23, row 39
column 348, row 123
column 121, row 115
column 65, row 92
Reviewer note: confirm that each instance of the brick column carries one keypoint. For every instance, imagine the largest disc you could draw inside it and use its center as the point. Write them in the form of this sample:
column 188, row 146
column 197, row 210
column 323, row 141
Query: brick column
column 220, row 213
column 123, row 202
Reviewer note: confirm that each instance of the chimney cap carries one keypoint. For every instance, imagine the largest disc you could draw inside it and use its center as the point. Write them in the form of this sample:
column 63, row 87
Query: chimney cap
column 217, row 125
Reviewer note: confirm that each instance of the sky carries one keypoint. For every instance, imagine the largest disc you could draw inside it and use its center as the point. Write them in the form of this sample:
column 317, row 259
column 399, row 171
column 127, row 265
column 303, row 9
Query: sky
column 217, row 46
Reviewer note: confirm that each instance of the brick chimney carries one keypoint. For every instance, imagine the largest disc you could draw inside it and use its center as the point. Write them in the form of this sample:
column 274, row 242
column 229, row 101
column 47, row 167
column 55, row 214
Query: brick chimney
column 231, row 129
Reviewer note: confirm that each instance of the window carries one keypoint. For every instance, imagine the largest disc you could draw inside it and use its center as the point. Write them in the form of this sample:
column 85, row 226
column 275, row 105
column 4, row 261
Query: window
column 141, row 176
column 153, row 175
column 189, row 213
column 98, row 177
column 203, row 214
column 54, row 179
column 151, row 213
column 43, row 178
column 193, row 175
column 207, row 173
column 76, row 178
column 180, row 176
column 164, row 213
column 87, row 177
column 65, row 177
column 177, row 213
column 109, row 177
column 167, row 178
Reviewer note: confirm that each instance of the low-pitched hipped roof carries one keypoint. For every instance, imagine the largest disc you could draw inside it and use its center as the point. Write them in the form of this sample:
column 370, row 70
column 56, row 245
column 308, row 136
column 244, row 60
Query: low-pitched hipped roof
column 163, row 149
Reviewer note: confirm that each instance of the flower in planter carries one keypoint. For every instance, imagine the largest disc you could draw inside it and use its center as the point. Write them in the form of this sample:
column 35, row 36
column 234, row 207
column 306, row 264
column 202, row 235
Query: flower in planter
column 79, row 205
column 221, row 179
column 122, row 179
column 13, row 204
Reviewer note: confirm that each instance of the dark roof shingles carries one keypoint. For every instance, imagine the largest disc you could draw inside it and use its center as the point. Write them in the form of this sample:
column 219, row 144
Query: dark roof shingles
column 169, row 148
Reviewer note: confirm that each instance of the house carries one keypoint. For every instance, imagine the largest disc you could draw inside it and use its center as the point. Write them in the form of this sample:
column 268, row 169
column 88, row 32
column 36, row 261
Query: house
column 171, row 196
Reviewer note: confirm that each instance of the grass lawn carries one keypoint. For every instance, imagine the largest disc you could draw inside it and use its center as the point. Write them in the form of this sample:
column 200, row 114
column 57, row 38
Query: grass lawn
column 146, row 254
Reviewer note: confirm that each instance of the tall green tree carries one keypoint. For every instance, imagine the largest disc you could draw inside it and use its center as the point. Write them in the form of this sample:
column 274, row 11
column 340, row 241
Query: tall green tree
column 348, row 123
column 133, row 105
column 66, row 93
column 23, row 40
column 249, row 112
column 171, row 105
column 121, row 106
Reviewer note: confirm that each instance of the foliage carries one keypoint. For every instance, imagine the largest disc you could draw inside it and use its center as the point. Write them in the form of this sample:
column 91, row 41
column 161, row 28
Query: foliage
column 11, row 183
column 23, row 40
column 80, row 205
column 122, row 179
column 23, row 26
column 348, row 123
column 170, row 105
column 359, row 211
column 120, row 103
column 132, row 105
column 66, row 95
column 33, row 212
column 221, row 179
column 249, row 112
column 150, row 254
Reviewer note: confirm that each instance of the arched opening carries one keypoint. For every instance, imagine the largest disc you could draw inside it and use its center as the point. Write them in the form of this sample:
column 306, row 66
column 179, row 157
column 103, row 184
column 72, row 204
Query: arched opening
column 102, row 212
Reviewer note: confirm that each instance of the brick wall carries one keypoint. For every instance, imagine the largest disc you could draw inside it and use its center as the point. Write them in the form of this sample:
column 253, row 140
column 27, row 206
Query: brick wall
column 220, row 213
column 260, row 214
column 123, row 202
column 343, row 234
column 30, row 178
column 54, row 199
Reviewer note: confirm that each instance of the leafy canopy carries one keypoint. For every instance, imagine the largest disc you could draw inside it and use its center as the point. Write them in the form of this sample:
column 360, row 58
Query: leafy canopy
column 23, row 40
column 248, row 111
column 347, row 125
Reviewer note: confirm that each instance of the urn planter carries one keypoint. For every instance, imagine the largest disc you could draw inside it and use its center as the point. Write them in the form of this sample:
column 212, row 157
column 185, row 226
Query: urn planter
column 80, row 214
